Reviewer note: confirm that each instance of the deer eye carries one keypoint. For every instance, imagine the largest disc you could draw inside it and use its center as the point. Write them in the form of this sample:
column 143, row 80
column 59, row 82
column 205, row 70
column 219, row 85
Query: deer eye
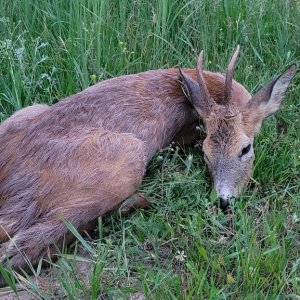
column 245, row 150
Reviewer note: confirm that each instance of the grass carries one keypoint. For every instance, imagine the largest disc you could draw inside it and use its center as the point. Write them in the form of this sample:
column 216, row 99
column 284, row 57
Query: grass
column 183, row 247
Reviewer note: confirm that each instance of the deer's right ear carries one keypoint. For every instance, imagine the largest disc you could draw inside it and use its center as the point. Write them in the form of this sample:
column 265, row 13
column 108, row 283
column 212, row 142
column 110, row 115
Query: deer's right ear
column 190, row 88
column 192, row 91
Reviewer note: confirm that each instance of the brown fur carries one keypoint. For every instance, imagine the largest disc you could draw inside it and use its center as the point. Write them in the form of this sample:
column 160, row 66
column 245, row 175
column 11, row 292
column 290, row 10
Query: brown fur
column 83, row 156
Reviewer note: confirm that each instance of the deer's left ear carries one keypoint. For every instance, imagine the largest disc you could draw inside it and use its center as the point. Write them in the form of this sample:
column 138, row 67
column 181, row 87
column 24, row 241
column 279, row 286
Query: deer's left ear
column 268, row 99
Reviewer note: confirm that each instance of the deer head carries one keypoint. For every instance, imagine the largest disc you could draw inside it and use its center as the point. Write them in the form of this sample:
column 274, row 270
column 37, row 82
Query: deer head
column 231, row 124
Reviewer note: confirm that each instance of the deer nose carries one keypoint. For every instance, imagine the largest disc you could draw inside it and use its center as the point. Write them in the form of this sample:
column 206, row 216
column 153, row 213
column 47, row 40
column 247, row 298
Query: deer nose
column 224, row 196
column 224, row 204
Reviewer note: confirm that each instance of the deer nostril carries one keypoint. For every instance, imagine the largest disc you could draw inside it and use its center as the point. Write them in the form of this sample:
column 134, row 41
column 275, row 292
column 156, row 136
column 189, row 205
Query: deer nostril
column 224, row 204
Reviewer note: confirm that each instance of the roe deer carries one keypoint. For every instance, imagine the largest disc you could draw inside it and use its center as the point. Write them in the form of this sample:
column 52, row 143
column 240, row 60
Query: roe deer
column 83, row 156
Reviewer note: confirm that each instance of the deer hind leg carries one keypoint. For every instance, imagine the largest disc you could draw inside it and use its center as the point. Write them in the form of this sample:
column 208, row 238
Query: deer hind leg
column 40, row 240
column 30, row 245
column 17, row 214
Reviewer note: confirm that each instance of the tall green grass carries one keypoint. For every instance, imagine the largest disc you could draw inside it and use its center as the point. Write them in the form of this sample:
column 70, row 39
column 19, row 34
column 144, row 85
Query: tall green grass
column 183, row 248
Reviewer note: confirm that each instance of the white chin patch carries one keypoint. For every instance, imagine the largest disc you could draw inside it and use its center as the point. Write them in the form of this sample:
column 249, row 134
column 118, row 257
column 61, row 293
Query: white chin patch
column 223, row 192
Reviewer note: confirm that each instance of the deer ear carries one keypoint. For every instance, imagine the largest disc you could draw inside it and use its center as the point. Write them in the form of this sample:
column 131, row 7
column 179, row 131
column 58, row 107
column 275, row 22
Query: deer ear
column 272, row 94
column 192, row 91
column 269, row 98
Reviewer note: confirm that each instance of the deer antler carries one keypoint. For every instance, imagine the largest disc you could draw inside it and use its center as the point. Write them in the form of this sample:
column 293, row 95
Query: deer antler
column 229, row 75
column 203, row 88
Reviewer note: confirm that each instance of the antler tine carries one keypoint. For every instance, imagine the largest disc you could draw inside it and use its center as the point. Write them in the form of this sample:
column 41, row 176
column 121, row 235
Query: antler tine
column 229, row 75
column 203, row 88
